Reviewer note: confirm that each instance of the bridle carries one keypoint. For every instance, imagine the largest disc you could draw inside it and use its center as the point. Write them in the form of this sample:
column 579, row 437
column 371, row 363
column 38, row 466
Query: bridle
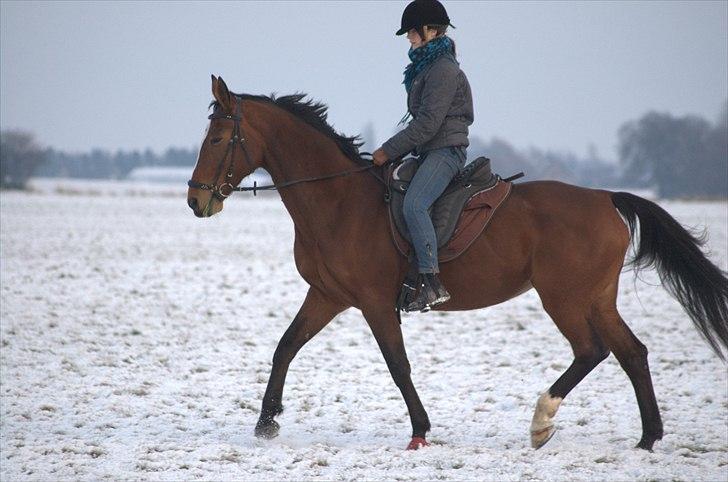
column 224, row 190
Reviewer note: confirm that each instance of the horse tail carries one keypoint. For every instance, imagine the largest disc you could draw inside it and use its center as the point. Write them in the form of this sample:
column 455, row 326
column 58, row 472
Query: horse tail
column 687, row 274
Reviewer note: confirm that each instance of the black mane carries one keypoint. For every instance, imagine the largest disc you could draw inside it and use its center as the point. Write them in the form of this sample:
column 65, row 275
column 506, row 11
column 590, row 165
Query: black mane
column 312, row 113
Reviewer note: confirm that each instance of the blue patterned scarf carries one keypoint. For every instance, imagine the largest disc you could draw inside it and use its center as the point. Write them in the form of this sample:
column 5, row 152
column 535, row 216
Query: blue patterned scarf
column 424, row 56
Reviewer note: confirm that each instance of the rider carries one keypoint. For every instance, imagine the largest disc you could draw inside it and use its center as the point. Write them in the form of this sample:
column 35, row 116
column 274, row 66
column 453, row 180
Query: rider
column 441, row 105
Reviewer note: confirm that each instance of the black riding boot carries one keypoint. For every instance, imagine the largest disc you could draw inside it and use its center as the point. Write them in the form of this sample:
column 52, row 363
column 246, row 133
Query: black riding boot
column 430, row 293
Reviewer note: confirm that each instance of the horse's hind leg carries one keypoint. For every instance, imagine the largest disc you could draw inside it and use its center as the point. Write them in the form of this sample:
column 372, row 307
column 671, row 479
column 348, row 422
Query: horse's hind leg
column 589, row 351
column 632, row 356
column 315, row 313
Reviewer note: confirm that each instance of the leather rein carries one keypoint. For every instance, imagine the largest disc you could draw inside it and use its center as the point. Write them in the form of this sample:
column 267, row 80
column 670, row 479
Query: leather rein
column 224, row 190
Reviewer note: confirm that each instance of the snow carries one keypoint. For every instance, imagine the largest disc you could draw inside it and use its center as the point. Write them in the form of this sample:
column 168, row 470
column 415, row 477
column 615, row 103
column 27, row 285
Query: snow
column 136, row 342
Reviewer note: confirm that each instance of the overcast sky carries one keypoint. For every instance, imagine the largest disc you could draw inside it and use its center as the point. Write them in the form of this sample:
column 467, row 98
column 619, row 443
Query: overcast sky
column 554, row 75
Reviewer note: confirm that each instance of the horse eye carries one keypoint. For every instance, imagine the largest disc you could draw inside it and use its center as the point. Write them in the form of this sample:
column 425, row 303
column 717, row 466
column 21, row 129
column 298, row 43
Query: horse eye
column 216, row 141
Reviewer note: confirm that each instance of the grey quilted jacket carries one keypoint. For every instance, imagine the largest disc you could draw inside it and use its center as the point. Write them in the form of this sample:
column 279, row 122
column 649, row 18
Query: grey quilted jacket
column 442, row 109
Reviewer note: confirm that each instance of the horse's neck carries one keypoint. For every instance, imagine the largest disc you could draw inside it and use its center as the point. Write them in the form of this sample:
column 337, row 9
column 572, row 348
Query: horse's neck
column 317, row 207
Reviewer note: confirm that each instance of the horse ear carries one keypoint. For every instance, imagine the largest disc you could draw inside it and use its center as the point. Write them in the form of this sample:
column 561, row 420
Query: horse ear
column 220, row 92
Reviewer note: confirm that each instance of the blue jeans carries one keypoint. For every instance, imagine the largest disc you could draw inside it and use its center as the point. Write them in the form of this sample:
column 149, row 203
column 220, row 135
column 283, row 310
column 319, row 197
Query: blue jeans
column 437, row 168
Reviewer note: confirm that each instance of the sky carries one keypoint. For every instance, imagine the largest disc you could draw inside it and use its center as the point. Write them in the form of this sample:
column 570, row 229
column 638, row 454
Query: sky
column 553, row 75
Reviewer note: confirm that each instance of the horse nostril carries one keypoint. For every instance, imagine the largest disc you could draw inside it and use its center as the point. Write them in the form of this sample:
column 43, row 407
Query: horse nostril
column 192, row 202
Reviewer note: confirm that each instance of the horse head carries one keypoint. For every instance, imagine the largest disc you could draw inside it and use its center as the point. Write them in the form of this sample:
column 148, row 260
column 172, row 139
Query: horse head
column 226, row 156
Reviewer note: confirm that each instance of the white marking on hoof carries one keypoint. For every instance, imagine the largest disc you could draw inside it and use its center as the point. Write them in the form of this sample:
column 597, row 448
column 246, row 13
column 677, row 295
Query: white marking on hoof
column 542, row 425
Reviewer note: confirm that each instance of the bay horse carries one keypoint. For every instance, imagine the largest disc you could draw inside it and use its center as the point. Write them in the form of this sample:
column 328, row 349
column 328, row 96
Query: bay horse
column 567, row 242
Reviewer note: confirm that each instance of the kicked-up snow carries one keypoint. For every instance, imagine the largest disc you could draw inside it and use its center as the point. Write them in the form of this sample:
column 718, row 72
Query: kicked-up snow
column 136, row 342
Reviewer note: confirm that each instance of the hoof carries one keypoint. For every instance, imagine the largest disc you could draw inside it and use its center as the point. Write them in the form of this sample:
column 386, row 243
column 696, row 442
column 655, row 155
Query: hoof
column 416, row 443
column 648, row 439
column 646, row 444
column 268, row 429
column 539, row 439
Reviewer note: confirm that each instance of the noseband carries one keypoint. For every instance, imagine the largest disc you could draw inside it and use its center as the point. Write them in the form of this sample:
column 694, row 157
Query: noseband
column 222, row 191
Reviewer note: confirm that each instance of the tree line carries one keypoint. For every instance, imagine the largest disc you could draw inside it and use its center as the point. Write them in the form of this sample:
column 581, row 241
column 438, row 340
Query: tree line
column 103, row 164
column 682, row 156
column 678, row 156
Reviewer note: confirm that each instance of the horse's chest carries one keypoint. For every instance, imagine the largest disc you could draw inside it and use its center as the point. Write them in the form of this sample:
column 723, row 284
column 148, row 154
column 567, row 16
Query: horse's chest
column 305, row 257
column 318, row 270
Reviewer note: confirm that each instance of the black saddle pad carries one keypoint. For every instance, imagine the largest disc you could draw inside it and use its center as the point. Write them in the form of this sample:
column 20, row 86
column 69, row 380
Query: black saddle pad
column 472, row 179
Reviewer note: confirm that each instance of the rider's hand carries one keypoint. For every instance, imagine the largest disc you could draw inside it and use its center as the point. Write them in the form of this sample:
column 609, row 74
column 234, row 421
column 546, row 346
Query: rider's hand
column 379, row 157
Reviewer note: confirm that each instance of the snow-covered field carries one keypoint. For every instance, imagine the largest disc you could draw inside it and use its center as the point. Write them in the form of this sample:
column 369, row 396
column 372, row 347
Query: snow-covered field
column 136, row 342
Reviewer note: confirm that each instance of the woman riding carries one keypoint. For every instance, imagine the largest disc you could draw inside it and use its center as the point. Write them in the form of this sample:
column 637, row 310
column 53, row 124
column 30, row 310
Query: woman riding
column 441, row 105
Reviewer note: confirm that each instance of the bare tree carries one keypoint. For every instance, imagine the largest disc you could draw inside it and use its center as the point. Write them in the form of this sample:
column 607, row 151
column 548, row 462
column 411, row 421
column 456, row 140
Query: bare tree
column 681, row 156
column 19, row 157
column 369, row 137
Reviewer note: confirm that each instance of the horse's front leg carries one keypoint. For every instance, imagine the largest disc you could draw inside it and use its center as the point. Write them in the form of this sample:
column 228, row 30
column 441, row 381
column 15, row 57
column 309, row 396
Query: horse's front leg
column 315, row 313
column 387, row 332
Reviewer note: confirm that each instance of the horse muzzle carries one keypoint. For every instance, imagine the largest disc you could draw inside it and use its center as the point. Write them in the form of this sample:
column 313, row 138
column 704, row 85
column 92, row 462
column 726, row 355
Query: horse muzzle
column 194, row 205
column 202, row 209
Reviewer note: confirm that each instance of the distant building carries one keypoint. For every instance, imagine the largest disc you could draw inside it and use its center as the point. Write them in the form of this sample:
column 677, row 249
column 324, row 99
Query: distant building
column 176, row 175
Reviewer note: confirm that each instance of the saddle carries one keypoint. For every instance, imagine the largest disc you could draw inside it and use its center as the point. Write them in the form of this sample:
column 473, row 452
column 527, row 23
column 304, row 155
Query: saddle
column 459, row 215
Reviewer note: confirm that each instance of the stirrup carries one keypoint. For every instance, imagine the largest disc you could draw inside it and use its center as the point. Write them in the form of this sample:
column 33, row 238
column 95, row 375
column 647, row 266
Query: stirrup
column 445, row 296
column 424, row 307
column 417, row 305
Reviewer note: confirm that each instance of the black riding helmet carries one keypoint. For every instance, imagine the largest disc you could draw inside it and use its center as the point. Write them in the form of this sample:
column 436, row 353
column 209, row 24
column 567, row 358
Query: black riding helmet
column 423, row 12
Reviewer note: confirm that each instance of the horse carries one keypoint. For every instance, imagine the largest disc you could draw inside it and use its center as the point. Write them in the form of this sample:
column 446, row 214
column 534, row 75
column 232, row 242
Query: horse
column 567, row 242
